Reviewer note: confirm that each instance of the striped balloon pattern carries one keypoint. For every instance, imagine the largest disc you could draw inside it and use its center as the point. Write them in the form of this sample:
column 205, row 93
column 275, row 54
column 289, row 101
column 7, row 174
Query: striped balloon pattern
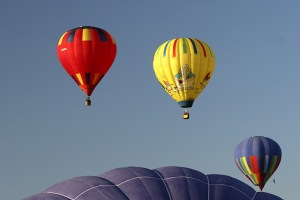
column 258, row 158
column 86, row 53
column 184, row 66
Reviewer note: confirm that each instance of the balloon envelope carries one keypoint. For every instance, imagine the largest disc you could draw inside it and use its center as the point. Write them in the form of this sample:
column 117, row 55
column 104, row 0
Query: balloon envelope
column 86, row 53
column 258, row 158
column 166, row 183
column 184, row 66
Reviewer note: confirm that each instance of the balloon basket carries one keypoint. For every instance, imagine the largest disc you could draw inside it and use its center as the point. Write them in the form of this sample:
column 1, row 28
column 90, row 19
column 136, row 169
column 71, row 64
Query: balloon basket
column 186, row 115
column 88, row 102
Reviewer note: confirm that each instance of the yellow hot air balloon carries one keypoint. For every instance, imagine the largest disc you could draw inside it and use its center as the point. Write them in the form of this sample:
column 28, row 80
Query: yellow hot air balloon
column 184, row 66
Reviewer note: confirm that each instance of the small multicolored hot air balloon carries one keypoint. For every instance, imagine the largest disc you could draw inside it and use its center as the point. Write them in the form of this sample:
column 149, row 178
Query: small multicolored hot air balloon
column 86, row 53
column 258, row 158
column 184, row 66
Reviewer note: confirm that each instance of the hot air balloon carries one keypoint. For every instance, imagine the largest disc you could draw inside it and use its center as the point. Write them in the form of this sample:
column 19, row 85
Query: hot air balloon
column 86, row 53
column 184, row 66
column 258, row 158
column 165, row 183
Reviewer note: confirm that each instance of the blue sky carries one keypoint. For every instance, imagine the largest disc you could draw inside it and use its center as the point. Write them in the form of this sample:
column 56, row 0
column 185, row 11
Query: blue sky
column 47, row 135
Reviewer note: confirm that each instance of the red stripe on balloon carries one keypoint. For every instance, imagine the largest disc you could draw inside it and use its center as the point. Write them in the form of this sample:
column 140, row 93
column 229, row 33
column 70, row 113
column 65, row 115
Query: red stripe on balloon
column 204, row 52
column 254, row 164
column 174, row 48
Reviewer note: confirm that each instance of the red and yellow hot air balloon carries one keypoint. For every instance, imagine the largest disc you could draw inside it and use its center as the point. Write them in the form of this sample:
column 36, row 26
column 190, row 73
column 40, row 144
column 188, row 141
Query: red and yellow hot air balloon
column 86, row 53
column 184, row 66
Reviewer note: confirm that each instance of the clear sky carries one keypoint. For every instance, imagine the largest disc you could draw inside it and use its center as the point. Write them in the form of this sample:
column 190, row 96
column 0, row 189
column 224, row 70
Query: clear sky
column 47, row 135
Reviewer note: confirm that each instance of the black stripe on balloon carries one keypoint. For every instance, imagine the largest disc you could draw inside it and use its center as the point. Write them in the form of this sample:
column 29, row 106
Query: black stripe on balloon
column 71, row 35
column 75, row 80
column 101, row 34
column 87, row 78
column 194, row 46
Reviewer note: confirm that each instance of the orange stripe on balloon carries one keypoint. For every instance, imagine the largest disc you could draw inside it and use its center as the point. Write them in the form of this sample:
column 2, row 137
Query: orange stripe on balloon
column 174, row 47
column 79, row 78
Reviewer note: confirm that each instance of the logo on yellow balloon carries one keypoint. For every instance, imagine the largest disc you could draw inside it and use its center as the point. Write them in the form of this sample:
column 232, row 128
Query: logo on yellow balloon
column 185, row 78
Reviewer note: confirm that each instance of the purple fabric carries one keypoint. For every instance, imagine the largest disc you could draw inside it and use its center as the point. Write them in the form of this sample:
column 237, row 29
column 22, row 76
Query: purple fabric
column 166, row 183
column 257, row 146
